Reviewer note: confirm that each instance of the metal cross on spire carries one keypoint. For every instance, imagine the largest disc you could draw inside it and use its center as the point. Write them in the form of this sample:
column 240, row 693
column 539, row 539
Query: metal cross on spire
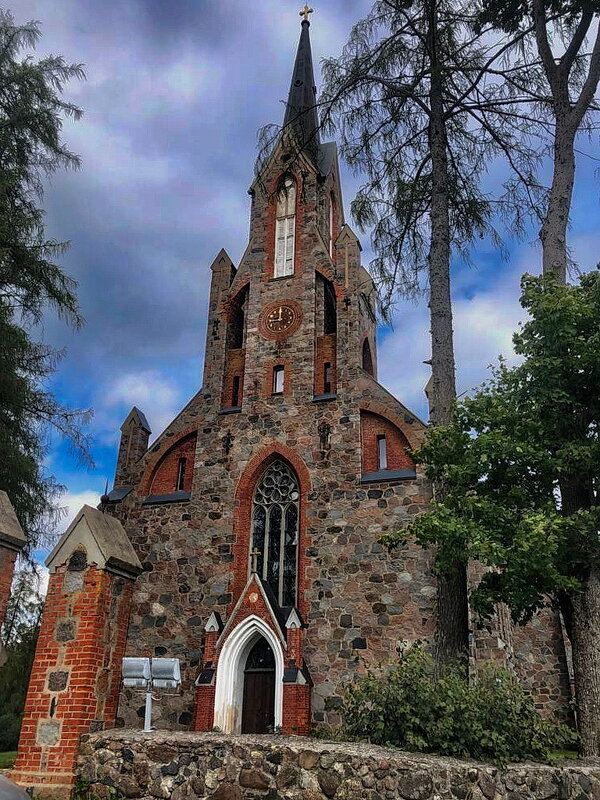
column 306, row 12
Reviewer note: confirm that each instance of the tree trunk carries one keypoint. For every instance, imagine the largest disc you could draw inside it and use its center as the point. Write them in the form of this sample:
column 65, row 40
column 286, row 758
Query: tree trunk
column 553, row 233
column 452, row 604
column 586, row 661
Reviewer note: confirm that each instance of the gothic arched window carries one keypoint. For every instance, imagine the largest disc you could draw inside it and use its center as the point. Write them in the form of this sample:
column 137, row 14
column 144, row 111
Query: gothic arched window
column 285, row 228
column 275, row 531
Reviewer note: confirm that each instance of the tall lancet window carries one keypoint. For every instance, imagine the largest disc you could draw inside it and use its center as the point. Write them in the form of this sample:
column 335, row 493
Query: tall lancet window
column 285, row 227
column 275, row 531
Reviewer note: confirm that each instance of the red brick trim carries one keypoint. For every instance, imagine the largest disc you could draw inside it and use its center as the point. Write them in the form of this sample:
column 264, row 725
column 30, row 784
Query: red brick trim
column 7, row 570
column 242, row 519
column 286, row 363
column 156, row 458
column 371, row 427
column 89, row 649
column 205, row 708
column 329, row 276
column 296, row 709
column 413, row 438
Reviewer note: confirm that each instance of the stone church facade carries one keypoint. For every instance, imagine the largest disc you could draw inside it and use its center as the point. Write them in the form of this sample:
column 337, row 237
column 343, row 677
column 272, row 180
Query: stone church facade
column 292, row 451
column 245, row 539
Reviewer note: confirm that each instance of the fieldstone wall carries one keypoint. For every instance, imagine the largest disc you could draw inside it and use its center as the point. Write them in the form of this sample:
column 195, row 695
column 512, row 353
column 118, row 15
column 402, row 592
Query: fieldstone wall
column 183, row 766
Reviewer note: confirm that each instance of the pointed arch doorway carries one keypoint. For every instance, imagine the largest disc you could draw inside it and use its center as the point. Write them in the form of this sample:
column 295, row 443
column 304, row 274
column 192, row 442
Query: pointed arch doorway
column 258, row 704
column 231, row 673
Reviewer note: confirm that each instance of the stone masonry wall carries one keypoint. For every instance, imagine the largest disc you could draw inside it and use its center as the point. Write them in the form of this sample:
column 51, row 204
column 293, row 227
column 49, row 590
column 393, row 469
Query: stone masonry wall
column 180, row 766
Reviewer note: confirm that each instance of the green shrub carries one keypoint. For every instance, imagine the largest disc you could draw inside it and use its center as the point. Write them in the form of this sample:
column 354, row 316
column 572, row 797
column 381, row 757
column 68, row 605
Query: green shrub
column 410, row 707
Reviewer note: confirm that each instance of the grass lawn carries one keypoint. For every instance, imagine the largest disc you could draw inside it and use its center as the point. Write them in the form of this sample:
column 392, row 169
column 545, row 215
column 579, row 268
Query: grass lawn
column 7, row 759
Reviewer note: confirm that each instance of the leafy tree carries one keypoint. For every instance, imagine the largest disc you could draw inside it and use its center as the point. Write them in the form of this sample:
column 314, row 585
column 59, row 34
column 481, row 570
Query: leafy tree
column 521, row 469
column 557, row 75
column 404, row 96
column 17, row 642
column 31, row 114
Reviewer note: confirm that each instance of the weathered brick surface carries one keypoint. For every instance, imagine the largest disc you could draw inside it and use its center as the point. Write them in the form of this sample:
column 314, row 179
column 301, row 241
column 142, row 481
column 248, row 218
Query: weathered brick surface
column 325, row 353
column 74, row 684
column 372, row 427
column 166, row 474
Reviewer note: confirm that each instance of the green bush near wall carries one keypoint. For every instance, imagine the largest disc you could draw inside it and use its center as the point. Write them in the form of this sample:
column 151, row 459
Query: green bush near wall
column 410, row 707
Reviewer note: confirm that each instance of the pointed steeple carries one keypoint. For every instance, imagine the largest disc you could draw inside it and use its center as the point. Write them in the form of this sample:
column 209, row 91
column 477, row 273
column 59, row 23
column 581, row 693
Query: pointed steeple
column 301, row 112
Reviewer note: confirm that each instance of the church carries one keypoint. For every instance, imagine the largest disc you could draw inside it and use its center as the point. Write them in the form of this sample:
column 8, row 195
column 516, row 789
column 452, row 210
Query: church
column 245, row 540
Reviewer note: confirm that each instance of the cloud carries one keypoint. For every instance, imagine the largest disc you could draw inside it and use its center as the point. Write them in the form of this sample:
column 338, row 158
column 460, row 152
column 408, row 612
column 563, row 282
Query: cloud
column 43, row 577
column 72, row 503
column 174, row 96
column 157, row 397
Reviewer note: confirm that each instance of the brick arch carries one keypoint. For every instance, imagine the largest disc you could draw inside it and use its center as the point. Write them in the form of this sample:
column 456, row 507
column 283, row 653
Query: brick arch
column 373, row 425
column 328, row 275
column 414, row 437
column 155, row 461
column 242, row 518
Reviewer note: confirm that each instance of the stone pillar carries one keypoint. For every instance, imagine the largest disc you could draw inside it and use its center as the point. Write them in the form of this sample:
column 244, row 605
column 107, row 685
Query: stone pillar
column 135, row 433
column 12, row 541
column 223, row 272
column 76, row 676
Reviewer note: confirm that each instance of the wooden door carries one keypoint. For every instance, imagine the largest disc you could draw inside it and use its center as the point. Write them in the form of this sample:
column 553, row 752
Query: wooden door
column 258, row 709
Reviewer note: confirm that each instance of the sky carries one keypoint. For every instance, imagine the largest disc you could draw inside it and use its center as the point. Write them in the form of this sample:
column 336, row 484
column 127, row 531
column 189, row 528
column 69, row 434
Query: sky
column 174, row 96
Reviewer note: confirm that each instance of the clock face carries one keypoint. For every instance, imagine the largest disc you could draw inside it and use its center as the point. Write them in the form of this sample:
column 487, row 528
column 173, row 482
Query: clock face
column 280, row 319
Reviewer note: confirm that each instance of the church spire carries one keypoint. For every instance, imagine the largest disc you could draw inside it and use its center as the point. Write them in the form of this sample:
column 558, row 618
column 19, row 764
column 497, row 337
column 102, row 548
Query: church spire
column 301, row 113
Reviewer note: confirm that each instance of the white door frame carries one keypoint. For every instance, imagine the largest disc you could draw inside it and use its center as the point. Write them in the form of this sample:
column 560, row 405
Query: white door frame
column 229, row 694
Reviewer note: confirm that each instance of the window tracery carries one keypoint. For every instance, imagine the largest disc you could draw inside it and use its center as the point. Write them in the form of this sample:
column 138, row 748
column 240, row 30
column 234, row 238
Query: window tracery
column 275, row 531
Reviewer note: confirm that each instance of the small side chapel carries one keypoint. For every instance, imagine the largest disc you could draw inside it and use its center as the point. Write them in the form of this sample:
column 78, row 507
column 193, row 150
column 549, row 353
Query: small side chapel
column 245, row 539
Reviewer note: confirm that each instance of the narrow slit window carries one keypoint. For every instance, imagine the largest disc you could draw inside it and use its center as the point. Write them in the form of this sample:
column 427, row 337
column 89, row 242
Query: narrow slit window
column 278, row 379
column 181, row 474
column 327, row 378
column 235, row 394
column 381, row 452
column 285, row 227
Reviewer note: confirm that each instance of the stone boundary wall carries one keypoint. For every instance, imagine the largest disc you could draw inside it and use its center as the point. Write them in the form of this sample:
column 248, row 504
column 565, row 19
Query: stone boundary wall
column 183, row 766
